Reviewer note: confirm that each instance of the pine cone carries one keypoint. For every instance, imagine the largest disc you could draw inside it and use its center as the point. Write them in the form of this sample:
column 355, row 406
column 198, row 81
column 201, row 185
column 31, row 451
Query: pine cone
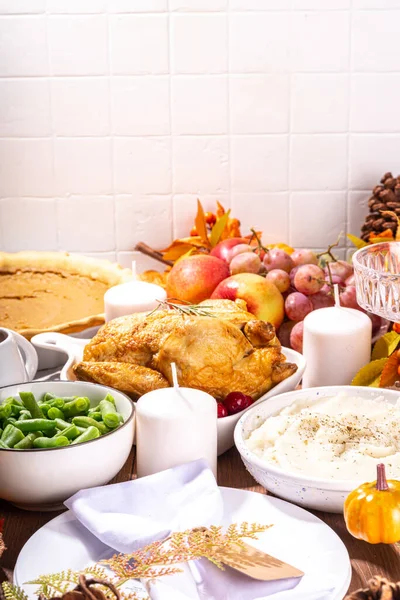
column 385, row 197
column 379, row 589
column 85, row 590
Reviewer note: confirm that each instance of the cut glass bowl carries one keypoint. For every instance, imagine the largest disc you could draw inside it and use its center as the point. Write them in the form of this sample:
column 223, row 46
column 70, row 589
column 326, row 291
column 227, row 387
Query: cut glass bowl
column 377, row 279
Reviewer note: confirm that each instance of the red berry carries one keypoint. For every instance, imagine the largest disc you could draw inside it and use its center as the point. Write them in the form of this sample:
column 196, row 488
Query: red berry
column 236, row 402
column 222, row 410
column 210, row 218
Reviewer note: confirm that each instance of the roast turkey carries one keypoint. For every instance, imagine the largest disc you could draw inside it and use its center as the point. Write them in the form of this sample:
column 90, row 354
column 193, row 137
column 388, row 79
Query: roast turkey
column 220, row 349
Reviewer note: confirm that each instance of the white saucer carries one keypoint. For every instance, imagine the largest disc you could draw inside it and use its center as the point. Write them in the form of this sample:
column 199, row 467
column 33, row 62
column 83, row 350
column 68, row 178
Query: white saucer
column 297, row 537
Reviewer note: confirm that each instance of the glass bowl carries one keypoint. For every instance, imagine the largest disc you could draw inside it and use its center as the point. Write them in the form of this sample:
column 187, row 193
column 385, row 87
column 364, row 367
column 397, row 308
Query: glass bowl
column 377, row 279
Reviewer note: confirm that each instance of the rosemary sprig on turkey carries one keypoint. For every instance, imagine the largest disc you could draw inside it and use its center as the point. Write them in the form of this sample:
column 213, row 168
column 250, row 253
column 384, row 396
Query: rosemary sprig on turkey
column 186, row 308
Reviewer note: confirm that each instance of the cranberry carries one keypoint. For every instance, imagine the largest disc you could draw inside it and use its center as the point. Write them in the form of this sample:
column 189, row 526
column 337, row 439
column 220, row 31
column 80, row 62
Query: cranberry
column 236, row 402
column 222, row 410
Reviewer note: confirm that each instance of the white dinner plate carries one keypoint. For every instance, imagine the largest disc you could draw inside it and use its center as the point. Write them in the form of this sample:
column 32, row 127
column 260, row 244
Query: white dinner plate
column 297, row 537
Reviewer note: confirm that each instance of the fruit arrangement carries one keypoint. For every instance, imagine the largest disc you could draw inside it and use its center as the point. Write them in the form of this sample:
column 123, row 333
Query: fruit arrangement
column 279, row 284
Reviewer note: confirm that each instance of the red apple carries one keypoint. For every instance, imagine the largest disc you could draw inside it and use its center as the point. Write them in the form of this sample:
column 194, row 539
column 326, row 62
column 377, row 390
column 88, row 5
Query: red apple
column 263, row 299
column 194, row 278
column 222, row 250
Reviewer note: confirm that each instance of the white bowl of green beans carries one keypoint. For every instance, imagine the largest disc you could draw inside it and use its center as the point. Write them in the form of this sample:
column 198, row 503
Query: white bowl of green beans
column 59, row 437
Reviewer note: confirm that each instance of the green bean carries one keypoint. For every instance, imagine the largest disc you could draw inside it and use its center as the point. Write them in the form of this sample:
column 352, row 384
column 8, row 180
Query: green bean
column 89, row 422
column 70, row 432
column 57, row 402
column 1, row 431
column 14, row 401
column 35, row 425
column 110, row 398
column 48, row 396
column 109, row 414
column 4, row 446
column 44, row 407
column 24, row 415
column 16, row 409
column 95, row 414
column 55, row 413
column 76, row 407
column 5, row 411
column 62, row 423
column 9, row 421
column 11, row 436
column 91, row 433
column 27, row 442
column 28, row 400
column 54, row 442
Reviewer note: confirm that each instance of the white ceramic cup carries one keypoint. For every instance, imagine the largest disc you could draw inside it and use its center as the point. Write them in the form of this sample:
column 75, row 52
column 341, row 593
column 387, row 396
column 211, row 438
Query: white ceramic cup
column 14, row 366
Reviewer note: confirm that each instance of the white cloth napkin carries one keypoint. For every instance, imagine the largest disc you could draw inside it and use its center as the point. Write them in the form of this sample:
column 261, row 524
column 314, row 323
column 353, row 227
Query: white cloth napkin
column 127, row 516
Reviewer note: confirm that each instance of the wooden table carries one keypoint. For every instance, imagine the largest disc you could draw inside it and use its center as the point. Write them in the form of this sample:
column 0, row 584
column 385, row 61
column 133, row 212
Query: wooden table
column 367, row 560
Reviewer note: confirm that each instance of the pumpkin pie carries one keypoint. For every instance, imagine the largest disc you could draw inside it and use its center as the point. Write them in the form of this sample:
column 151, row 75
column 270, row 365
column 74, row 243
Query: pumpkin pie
column 54, row 291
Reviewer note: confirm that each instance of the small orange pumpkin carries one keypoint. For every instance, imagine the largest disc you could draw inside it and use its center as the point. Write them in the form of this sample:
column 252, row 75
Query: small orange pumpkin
column 372, row 511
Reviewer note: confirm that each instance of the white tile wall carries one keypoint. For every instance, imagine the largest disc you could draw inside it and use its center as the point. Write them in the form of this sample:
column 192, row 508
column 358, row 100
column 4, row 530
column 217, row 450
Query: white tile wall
column 116, row 115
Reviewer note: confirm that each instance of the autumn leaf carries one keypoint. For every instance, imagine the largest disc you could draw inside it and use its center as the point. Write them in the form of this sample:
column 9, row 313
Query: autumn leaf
column 218, row 228
column 220, row 210
column 358, row 242
column 389, row 374
column 200, row 223
column 281, row 246
column 369, row 374
column 176, row 250
column 386, row 345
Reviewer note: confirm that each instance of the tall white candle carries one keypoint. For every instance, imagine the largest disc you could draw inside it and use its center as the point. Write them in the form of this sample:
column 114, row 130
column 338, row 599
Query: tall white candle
column 336, row 344
column 173, row 426
column 132, row 297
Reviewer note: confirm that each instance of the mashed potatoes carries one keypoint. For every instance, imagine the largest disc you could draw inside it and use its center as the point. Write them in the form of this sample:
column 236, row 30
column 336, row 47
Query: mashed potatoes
column 340, row 437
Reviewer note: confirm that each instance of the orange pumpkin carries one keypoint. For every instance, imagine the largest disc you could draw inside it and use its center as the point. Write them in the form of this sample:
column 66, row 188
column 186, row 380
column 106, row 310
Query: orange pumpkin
column 372, row 511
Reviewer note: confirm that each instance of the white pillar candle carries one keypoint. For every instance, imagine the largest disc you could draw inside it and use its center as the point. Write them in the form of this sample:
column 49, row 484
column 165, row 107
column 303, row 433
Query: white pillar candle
column 132, row 297
column 173, row 426
column 336, row 344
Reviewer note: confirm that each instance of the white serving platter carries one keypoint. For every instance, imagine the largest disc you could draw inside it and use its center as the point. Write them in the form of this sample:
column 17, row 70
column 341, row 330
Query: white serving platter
column 73, row 347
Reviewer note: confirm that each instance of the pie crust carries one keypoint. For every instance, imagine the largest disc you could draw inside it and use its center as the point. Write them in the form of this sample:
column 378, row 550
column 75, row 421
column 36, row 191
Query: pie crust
column 54, row 291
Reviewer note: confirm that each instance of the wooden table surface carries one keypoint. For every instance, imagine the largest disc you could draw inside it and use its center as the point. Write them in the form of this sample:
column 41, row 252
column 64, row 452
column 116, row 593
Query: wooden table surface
column 367, row 560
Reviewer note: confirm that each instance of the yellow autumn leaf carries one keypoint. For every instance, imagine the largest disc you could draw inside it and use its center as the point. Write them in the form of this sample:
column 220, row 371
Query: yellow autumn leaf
column 386, row 345
column 218, row 228
column 176, row 250
column 369, row 374
column 358, row 242
column 200, row 223
column 281, row 246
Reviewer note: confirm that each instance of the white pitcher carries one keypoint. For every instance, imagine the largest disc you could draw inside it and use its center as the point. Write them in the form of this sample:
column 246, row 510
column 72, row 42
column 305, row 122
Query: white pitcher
column 18, row 358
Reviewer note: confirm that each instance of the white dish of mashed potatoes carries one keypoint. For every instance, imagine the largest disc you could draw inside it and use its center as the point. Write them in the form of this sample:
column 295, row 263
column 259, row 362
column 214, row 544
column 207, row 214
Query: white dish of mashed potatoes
column 314, row 446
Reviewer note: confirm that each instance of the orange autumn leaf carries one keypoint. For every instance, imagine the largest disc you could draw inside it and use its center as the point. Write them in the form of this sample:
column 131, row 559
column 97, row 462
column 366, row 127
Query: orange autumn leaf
column 389, row 374
column 220, row 210
column 200, row 224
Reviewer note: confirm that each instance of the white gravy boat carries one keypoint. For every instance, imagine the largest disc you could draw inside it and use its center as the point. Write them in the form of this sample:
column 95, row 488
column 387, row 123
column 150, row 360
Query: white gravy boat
column 18, row 358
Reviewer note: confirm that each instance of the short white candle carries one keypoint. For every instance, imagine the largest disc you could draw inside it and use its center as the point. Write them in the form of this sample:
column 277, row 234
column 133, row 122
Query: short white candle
column 173, row 426
column 132, row 297
column 336, row 344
